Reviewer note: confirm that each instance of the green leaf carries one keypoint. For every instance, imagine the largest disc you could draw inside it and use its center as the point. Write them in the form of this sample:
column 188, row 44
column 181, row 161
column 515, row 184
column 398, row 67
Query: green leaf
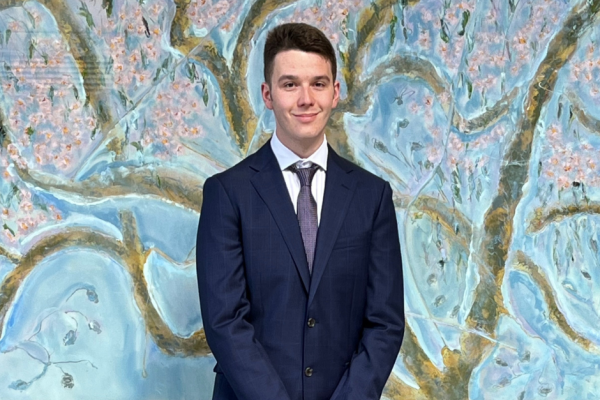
column 470, row 43
column 31, row 48
column 124, row 99
column 7, row 34
column 157, row 74
column 513, row 5
column 469, row 87
column 443, row 33
column 205, row 96
column 393, row 23
column 108, row 6
column 138, row 146
column 403, row 123
column 75, row 92
column 51, row 94
column 415, row 146
column 85, row 13
column 146, row 27
column 144, row 59
column 6, row 227
column 158, row 181
column 440, row 175
column 190, row 70
column 456, row 186
column 464, row 22
column 29, row 131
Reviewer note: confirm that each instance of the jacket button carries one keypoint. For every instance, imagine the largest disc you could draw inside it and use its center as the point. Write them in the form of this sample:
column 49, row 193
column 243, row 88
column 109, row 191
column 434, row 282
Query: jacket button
column 308, row 371
column 311, row 322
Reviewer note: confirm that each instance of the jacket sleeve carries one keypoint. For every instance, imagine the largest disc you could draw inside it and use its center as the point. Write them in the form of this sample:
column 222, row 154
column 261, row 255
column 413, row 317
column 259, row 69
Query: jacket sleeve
column 383, row 326
column 224, row 302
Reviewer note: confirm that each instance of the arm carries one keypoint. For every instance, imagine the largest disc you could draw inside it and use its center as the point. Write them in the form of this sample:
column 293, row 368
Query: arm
column 224, row 304
column 383, row 326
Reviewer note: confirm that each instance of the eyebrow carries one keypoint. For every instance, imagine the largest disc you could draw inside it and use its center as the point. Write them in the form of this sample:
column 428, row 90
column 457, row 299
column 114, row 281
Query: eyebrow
column 294, row 77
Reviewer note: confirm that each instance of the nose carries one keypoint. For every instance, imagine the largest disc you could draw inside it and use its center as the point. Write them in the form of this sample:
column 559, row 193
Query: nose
column 306, row 97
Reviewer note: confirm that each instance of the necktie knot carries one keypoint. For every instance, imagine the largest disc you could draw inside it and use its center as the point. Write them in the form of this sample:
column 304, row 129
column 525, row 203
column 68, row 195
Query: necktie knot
column 306, row 174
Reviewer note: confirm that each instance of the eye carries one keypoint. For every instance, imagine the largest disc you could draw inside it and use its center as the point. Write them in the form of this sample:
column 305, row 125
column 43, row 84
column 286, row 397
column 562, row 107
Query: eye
column 288, row 85
column 320, row 84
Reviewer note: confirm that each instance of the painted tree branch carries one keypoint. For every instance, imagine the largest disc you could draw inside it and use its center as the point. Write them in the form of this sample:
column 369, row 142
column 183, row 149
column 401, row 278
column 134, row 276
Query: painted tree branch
column 526, row 265
column 498, row 224
column 455, row 223
column 371, row 19
column 499, row 218
column 180, row 29
column 167, row 184
column 10, row 255
column 232, row 80
column 75, row 34
column 80, row 42
column 178, row 186
column 417, row 68
column 543, row 218
column 135, row 259
column 128, row 253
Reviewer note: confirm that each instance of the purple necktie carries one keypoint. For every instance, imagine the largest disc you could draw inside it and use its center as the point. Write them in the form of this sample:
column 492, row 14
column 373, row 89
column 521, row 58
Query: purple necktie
column 307, row 211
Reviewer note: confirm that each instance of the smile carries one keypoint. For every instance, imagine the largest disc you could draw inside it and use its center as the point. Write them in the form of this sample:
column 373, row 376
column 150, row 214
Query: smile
column 306, row 117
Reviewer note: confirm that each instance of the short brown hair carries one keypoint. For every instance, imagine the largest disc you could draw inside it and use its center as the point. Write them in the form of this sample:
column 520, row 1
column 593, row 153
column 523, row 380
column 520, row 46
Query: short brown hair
column 297, row 36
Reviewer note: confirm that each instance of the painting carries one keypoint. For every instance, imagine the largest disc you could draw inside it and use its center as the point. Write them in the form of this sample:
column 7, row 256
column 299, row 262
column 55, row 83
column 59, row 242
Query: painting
column 482, row 115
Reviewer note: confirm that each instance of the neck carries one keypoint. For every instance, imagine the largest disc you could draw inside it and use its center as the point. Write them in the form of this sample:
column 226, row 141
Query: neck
column 303, row 148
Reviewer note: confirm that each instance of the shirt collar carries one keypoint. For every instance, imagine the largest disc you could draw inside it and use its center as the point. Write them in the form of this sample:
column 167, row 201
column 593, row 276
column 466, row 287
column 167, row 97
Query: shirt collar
column 286, row 157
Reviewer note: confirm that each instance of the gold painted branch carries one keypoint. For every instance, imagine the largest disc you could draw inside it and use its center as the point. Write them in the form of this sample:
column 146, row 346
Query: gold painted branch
column 455, row 223
column 543, row 218
column 499, row 218
column 87, row 59
column 10, row 255
column 371, row 19
column 177, row 186
column 128, row 253
column 526, row 265
column 232, row 80
column 134, row 260
column 417, row 68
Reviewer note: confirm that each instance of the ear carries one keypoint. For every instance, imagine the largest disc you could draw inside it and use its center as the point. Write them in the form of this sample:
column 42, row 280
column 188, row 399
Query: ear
column 266, row 95
column 336, row 93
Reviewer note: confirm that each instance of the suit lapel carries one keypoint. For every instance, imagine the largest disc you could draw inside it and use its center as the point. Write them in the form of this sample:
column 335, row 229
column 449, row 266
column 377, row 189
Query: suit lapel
column 268, row 182
column 339, row 188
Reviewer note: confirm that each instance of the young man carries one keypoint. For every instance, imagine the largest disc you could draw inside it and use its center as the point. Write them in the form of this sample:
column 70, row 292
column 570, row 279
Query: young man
column 298, row 256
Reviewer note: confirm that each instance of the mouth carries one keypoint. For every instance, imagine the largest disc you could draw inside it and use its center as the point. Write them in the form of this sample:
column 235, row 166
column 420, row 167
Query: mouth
column 306, row 117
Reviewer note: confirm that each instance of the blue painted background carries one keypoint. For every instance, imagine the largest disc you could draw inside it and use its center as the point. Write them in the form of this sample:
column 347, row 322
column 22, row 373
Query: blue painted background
column 483, row 116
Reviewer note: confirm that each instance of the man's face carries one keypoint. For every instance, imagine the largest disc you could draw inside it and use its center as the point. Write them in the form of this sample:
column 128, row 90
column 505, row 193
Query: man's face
column 301, row 94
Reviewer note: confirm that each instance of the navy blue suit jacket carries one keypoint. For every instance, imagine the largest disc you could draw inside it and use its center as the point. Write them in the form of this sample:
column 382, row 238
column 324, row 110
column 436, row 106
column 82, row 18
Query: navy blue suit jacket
column 277, row 332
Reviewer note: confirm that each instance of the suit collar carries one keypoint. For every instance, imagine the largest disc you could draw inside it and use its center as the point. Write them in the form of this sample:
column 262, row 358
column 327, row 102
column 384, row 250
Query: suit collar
column 339, row 189
column 268, row 182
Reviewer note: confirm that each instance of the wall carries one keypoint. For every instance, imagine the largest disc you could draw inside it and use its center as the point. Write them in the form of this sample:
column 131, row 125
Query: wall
column 483, row 116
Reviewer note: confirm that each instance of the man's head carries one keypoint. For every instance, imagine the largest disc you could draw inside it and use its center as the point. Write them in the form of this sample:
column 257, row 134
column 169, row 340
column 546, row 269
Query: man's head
column 300, row 85
column 297, row 36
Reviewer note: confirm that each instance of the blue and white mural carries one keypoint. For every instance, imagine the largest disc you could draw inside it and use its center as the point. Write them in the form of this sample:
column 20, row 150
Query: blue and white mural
column 482, row 115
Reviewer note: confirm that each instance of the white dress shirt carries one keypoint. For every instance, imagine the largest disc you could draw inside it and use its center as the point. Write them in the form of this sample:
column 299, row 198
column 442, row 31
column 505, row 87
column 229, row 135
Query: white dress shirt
column 286, row 157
